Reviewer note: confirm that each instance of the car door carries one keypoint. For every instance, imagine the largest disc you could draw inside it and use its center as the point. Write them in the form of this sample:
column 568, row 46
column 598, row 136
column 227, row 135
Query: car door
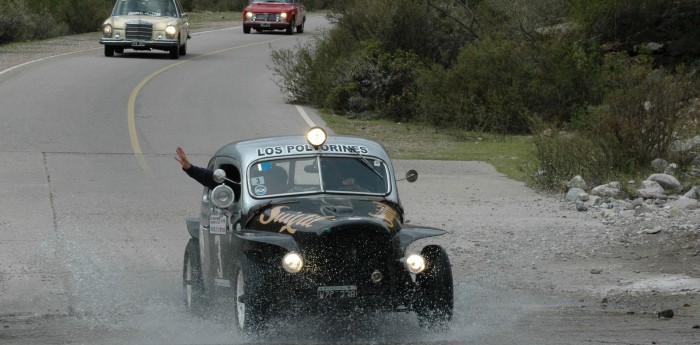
column 218, row 227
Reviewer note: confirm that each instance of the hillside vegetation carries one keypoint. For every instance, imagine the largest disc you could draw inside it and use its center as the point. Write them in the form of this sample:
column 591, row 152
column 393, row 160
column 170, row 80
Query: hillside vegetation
column 605, row 86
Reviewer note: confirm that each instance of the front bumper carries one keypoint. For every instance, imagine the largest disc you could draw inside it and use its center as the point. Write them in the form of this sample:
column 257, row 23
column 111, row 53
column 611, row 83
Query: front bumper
column 309, row 303
column 135, row 44
column 266, row 25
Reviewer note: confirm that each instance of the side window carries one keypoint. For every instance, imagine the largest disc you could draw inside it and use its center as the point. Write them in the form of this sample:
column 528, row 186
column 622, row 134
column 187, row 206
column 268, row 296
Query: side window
column 179, row 9
column 234, row 174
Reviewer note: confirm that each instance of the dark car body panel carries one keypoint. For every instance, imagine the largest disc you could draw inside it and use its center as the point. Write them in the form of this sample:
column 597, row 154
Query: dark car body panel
column 353, row 243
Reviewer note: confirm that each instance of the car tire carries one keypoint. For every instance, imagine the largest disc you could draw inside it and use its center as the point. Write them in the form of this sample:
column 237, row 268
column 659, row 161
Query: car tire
column 109, row 51
column 300, row 28
column 192, row 281
column 434, row 299
column 290, row 28
column 175, row 51
column 246, row 29
column 183, row 49
column 250, row 298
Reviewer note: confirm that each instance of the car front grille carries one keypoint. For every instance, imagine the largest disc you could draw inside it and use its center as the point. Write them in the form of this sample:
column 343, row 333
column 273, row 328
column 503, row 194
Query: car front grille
column 141, row 31
column 348, row 255
column 265, row 17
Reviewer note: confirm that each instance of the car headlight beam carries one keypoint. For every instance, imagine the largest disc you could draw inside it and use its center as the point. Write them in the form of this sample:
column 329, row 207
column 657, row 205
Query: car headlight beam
column 107, row 30
column 170, row 31
column 292, row 262
column 415, row 263
column 283, row 15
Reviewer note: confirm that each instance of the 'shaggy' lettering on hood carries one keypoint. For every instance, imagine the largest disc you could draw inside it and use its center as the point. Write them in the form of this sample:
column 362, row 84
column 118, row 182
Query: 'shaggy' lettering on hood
column 385, row 213
column 291, row 220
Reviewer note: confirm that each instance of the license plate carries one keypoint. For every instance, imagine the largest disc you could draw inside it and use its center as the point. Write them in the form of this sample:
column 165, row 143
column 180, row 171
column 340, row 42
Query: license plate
column 328, row 292
column 138, row 43
column 265, row 25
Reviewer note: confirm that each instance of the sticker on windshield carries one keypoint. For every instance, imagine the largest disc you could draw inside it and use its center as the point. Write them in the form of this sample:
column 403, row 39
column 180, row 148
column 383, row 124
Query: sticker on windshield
column 260, row 189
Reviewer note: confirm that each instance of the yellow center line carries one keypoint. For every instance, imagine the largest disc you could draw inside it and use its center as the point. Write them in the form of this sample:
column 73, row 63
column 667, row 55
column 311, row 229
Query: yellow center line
column 131, row 113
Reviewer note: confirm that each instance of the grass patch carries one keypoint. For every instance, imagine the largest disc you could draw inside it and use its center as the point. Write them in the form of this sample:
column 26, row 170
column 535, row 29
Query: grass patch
column 512, row 156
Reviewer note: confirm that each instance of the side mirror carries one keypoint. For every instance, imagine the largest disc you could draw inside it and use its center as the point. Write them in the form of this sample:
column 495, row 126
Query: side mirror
column 219, row 175
column 411, row 175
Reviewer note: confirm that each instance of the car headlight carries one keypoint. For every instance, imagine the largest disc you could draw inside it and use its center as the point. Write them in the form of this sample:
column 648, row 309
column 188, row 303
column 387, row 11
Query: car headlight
column 292, row 262
column 316, row 136
column 249, row 15
column 283, row 15
column 170, row 31
column 107, row 30
column 414, row 263
column 222, row 196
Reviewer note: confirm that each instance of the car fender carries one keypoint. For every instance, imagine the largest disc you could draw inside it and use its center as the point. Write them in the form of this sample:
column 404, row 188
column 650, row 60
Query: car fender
column 285, row 241
column 193, row 227
column 410, row 234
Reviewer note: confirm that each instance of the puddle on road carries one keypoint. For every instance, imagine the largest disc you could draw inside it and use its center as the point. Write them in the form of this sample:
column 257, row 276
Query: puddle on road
column 478, row 312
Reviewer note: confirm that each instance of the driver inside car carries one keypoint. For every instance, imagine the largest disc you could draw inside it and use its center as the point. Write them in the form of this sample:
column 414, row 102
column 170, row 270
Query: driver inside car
column 337, row 175
column 267, row 179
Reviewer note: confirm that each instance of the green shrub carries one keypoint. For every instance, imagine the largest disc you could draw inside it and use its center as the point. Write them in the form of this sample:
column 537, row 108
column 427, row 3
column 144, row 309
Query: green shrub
column 563, row 155
column 16, row 21
column 487, row 89
column 373, row 80
column 355, row 78
column 642, row 113
column 85, row 15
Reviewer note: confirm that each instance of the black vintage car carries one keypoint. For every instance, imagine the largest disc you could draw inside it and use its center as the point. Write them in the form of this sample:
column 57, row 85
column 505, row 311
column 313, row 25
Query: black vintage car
column 308, row 224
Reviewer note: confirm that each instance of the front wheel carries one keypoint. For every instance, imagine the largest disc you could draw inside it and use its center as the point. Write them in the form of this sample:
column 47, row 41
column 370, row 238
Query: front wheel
column 192, row 282
column 250, row 298
column 300, row 28
column 183, row 49
column 246, row 29
column 434, row 290
column 175, row 51
column 290, row 28
column 109, row 51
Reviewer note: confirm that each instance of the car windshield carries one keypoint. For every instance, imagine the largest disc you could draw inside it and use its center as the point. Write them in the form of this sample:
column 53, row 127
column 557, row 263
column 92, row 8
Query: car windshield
column 159, row 8
column 347, row 175
column 273, row 1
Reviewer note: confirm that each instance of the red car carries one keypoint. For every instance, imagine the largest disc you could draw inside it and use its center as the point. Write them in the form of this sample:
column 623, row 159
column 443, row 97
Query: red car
column 285, row 15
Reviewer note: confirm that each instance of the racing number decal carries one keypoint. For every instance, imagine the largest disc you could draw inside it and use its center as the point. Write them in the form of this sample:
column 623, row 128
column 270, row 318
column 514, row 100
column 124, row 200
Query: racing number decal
column 220, row 269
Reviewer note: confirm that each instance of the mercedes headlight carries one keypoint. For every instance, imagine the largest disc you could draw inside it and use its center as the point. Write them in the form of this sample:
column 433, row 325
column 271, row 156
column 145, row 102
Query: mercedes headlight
column 249, row 15
column 283, row 15
column 107, row 30
column 414, row 263
column 222, row 196
column 292, row 262
column 170, row 31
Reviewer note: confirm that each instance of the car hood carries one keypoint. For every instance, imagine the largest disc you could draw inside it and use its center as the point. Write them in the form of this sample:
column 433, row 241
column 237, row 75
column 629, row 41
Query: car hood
column 159, row 23
column 322, row 214
column 268, row 7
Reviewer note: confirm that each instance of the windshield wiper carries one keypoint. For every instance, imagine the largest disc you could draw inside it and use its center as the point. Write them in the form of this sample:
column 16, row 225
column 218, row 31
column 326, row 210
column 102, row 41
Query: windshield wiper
column 367, row 163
